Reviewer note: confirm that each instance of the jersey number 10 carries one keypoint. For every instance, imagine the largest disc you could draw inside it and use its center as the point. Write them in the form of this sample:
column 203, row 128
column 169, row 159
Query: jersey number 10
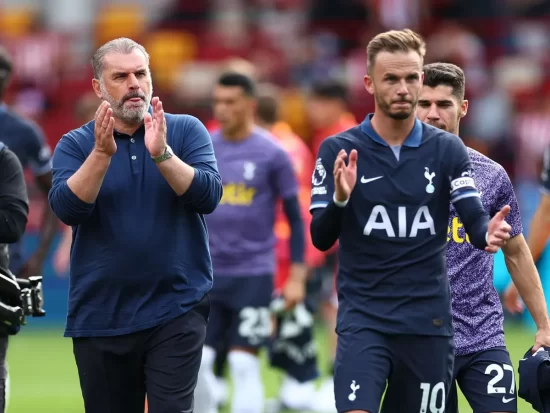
column 430, row 396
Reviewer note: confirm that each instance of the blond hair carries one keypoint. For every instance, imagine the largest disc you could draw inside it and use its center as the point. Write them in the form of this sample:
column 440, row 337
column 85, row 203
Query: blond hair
column 394, row 41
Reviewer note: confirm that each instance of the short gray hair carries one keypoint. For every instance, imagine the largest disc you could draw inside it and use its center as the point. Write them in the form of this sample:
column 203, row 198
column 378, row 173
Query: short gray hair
column 122, row 45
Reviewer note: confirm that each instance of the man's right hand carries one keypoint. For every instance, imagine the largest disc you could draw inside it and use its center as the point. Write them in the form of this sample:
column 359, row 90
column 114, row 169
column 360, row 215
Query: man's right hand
column 345, row 177
column 103, row 130
column 498, row 231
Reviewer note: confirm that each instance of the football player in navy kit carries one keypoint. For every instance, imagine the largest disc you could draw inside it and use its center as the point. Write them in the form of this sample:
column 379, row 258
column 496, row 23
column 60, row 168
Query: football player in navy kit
column 383, row 189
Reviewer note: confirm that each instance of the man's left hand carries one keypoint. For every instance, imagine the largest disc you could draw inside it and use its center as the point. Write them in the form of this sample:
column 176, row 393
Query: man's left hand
column 498, row 231
column 155, row 129
column 31, row 268
column 542, row 339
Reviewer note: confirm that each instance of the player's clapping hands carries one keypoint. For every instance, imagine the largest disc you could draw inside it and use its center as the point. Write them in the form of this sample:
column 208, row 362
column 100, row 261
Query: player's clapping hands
column 345, row 176
column 155, row 129
column 103, row 130
column 498, row 231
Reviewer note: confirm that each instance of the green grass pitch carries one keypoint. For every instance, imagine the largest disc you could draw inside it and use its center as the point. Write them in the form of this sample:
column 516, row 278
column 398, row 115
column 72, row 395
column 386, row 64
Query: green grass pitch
column 44, row 378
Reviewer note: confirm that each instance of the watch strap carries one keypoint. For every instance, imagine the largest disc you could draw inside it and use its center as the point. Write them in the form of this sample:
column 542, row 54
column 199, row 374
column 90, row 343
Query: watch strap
column 166, row 155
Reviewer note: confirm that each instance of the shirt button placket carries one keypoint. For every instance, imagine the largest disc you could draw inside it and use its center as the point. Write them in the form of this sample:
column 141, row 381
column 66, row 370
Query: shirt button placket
column 133, row 156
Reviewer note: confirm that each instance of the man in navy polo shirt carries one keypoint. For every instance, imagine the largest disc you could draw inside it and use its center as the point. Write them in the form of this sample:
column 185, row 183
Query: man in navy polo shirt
column 135, row 184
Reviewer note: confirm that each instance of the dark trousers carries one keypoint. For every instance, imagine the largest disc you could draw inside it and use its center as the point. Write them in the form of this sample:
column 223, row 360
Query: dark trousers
column 163, row 362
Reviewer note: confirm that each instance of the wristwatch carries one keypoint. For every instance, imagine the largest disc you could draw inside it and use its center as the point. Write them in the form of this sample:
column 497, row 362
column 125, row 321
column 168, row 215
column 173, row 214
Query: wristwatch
column 168, row 153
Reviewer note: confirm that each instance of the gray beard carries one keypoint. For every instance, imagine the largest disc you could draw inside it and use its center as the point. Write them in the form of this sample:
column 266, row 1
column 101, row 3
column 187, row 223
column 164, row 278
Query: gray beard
column 126, row 115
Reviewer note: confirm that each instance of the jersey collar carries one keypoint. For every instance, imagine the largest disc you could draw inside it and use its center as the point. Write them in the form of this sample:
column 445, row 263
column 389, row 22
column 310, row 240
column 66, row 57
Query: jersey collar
column 413, row 140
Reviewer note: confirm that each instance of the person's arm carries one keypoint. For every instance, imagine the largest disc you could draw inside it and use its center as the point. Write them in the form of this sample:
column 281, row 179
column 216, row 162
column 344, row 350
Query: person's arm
column 539, row 230
column 464, row 195
column 518, row 258
column 326, row 225
column 195, row 175
column 285, row 186
column 41, row 164
column 312, row 256
column 291, row 207
column 14, row 201
column 525, row 276
column 49, row 225
column 475, row 219
column 86, row 182
column 77, row 180
column 327, row 214
column 62, row 255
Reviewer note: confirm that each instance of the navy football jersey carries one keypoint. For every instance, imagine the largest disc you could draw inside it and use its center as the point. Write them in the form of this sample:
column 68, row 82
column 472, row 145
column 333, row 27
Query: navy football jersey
column 26, row 140
column 392, row 273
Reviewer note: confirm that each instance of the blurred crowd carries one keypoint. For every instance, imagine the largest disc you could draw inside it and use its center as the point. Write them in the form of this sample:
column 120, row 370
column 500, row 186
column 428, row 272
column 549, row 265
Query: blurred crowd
column 503, row 46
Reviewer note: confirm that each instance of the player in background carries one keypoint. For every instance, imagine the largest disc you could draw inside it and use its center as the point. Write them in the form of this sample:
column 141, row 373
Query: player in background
column 268, row 117
column 383, row 189
column 328, row 113
column 293, row 348
column 256, row 174
column 327, row 109
column 539, row 231
column 483, row 368
column 234, row 65
column 27, row 141
column 85, row 110
column 247, row 68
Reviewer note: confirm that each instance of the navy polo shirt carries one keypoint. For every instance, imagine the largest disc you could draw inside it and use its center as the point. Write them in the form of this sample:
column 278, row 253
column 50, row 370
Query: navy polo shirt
column 139, row 254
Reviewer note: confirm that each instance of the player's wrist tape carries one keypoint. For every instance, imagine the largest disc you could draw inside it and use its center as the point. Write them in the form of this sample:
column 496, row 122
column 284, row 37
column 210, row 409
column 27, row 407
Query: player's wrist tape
column 487, row 237
column 339, row 203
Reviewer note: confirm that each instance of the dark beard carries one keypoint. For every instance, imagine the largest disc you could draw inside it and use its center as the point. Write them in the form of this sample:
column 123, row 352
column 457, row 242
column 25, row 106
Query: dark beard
column 399, row 116
column 384, row 107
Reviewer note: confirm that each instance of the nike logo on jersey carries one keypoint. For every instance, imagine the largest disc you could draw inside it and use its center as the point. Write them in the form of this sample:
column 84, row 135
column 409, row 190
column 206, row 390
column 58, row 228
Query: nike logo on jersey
column 366, row 181
column 505, row 400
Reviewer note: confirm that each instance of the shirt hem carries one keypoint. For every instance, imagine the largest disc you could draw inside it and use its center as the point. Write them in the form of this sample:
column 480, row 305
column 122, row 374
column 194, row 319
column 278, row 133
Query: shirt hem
column 243, row 274
column 133, row 329
column 392, row 332
column 472, row 350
